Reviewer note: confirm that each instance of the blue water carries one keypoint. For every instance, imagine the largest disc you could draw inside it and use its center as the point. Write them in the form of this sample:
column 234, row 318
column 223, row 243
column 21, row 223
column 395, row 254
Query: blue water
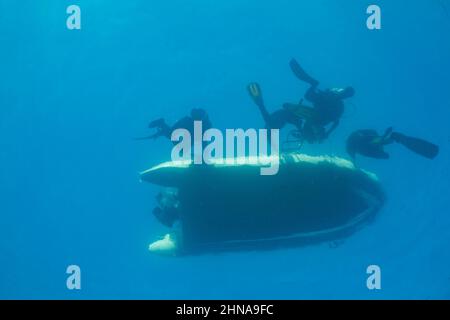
column 72, row 100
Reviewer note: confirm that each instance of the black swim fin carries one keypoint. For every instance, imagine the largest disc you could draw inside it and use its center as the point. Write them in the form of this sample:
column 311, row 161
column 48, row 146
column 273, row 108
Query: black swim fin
column 255, row 93
column 419, row 146
column 301, row 74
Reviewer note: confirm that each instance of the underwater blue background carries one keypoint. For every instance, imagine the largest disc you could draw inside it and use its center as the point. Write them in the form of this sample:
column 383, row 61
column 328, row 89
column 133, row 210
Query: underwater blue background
column 72, row 101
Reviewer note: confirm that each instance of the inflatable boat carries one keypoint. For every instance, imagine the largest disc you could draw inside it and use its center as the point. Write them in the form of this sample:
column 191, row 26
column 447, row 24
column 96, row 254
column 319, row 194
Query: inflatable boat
column 231, row 206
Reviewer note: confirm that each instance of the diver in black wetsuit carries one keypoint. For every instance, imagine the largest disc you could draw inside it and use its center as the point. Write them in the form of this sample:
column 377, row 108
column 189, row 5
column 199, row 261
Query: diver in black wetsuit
column 277, row 119
column 167, row 211
column 368, row 143
column 164, row 130
column 328, row 105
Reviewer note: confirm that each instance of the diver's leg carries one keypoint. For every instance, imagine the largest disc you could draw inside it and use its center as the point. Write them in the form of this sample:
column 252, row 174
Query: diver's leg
column 162, row 129
column 265, row 114
column 376, row 152
column 279, row 118
column 157, row 123
column 311, row 94
column 256, row 94
column 162, row 126
column 301, row 74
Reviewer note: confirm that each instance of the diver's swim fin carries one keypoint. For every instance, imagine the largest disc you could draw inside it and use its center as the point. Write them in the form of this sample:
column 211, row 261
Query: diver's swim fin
column 300, row 110
column 255, row 93
column 301, row 74
column 419, row 146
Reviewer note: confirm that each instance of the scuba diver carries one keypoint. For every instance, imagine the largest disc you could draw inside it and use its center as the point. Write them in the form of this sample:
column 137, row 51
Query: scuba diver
column 277, row 119
column 368, row 143
column 167, row 211
column 298, row 115
column 164, row 130
column 310, row 131
column 328, row 105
